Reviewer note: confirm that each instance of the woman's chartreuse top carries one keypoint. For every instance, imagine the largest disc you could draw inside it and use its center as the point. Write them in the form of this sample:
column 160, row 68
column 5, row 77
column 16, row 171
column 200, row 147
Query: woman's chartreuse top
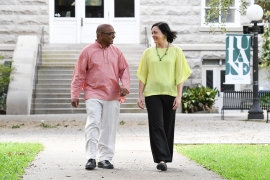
column 162, row 77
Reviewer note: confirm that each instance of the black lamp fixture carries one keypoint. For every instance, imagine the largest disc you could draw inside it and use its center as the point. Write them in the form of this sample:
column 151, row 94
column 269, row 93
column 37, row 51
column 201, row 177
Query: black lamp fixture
column 255, row 13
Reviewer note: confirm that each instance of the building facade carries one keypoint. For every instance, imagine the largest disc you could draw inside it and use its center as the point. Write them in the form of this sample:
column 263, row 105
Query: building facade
column 75, row 21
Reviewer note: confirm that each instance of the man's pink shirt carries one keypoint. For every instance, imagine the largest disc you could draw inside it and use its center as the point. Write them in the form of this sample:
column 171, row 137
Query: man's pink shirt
column 98, row 71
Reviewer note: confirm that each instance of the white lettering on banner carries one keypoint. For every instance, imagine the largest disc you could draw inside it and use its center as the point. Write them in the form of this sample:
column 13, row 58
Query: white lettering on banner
column 242, row 55
column 237, row 59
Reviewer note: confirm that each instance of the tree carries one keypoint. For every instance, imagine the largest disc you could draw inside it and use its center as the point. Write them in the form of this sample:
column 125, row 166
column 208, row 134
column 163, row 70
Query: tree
column 220, row 8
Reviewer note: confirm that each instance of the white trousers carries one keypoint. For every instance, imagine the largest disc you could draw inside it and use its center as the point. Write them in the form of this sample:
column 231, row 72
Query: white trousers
column 100, row 128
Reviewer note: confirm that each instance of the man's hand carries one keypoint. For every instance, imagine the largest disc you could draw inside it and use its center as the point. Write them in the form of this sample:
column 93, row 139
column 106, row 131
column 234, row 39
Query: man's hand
column 123, row 91
column 75, row 102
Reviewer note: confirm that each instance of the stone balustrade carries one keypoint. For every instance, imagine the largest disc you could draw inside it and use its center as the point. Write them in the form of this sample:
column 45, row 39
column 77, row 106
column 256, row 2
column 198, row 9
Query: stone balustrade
column 21, row 85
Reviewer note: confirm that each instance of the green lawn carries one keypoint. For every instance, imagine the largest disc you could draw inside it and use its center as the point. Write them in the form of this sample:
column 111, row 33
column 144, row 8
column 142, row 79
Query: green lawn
column 233, row 162
column 15, row 157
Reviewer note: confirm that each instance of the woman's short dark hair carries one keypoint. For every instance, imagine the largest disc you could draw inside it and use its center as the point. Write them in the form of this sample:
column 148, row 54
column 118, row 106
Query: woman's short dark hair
column 165, row 29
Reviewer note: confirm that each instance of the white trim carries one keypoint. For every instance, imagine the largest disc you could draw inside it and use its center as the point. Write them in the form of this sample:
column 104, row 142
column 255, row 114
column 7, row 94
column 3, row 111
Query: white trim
column 78, row 15
column 237, row 22
column 216, row 76
column 137, row 15
column 51, row 12
column 7, row 47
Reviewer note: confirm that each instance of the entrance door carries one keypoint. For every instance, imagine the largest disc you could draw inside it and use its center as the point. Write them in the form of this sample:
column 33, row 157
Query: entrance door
column 123, row 15
column 94, row 13
column 213, row 76
column 76, row 21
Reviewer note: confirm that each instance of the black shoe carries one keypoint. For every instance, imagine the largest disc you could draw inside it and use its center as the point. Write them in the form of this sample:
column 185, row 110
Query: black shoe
column 91, row 164
column 105, row 164
column 162, row 166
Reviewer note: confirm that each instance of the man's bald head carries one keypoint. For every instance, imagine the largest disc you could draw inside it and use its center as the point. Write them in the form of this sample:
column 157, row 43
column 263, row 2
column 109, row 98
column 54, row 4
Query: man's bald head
column 103, row 28
column 105, row 35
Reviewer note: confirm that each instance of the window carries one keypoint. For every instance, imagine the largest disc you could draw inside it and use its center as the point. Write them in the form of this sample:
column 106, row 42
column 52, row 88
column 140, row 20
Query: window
column 64, row 8
column 223, row 86
column 94, row 8
column 209, row 78
column 124, row 8
column 232, row 19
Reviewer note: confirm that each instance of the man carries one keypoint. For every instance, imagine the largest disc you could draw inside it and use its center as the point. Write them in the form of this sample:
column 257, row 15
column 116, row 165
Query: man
column 97, row 71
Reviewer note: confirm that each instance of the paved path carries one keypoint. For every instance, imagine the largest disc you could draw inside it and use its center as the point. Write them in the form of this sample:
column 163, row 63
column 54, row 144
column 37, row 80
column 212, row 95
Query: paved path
column 63, row 156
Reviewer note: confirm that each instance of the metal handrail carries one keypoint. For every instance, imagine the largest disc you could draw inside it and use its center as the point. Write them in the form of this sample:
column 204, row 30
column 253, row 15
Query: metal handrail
column 38, row 62
column 42, row 37
column 146, row 38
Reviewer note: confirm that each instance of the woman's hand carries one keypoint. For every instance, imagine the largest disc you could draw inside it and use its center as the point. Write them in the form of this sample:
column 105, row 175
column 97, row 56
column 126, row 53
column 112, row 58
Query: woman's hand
column 176, row 102
column 140, row 102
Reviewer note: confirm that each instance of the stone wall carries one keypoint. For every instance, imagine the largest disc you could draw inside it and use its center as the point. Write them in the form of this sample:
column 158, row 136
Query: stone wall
column 27, row 17
column 197, row 42
column 183, row 16
column 23, row 17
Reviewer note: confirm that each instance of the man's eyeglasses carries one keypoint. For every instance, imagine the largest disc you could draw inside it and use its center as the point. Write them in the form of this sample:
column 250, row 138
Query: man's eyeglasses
column 110, row 33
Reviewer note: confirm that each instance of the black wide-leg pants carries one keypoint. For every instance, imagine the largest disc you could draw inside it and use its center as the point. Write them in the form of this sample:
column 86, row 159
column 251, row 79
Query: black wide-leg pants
column 161, row 119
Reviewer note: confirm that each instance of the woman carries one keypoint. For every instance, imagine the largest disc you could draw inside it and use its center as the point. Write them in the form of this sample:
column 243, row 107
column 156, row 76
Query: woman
column 162, row 71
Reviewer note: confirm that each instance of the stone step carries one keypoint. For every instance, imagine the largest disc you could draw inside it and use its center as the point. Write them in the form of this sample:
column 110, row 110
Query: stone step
column 81, row 105
column 58, row 52
column 42, row 70
column 68, row 76
column 79, row 47
column 75, row 54
column 55, row 74
column 72, row 61
column 59, row 64
column 64, row 67
column 73, row 57
column 67, row 90
column 67, row 95
column 64, row 81
column 67, row 100
column 71, row 65
column 133, row 84
column 56, row 68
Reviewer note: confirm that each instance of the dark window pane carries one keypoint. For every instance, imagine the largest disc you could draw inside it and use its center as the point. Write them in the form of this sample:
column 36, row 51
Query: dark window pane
column 124, row 8
column 64, row 8
column 225, row 86
column 209, row 79
column 94, row 8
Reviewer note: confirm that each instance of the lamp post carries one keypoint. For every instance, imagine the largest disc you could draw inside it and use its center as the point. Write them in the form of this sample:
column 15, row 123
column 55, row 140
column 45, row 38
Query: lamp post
column 255, row 13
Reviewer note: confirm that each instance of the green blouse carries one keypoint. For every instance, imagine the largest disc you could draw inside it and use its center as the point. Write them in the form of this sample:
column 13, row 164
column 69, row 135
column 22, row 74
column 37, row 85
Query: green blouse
column 162, row 77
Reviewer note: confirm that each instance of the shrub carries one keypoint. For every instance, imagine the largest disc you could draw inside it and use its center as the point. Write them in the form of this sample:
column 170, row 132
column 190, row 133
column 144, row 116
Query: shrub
column 198, row 99
column 5, row 69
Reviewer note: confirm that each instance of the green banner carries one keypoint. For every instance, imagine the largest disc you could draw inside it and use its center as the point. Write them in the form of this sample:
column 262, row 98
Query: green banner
column 238, row 59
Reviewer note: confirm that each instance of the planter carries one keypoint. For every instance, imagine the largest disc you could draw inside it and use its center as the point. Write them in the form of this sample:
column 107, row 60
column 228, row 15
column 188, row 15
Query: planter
column 2, row 112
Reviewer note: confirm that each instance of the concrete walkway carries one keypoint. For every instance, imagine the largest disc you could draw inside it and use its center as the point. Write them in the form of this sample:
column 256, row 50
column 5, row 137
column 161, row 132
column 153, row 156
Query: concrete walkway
column 63, row 156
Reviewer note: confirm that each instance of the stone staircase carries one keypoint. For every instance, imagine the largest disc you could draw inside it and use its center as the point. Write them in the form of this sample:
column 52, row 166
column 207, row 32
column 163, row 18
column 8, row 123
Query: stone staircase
column 55, row 73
